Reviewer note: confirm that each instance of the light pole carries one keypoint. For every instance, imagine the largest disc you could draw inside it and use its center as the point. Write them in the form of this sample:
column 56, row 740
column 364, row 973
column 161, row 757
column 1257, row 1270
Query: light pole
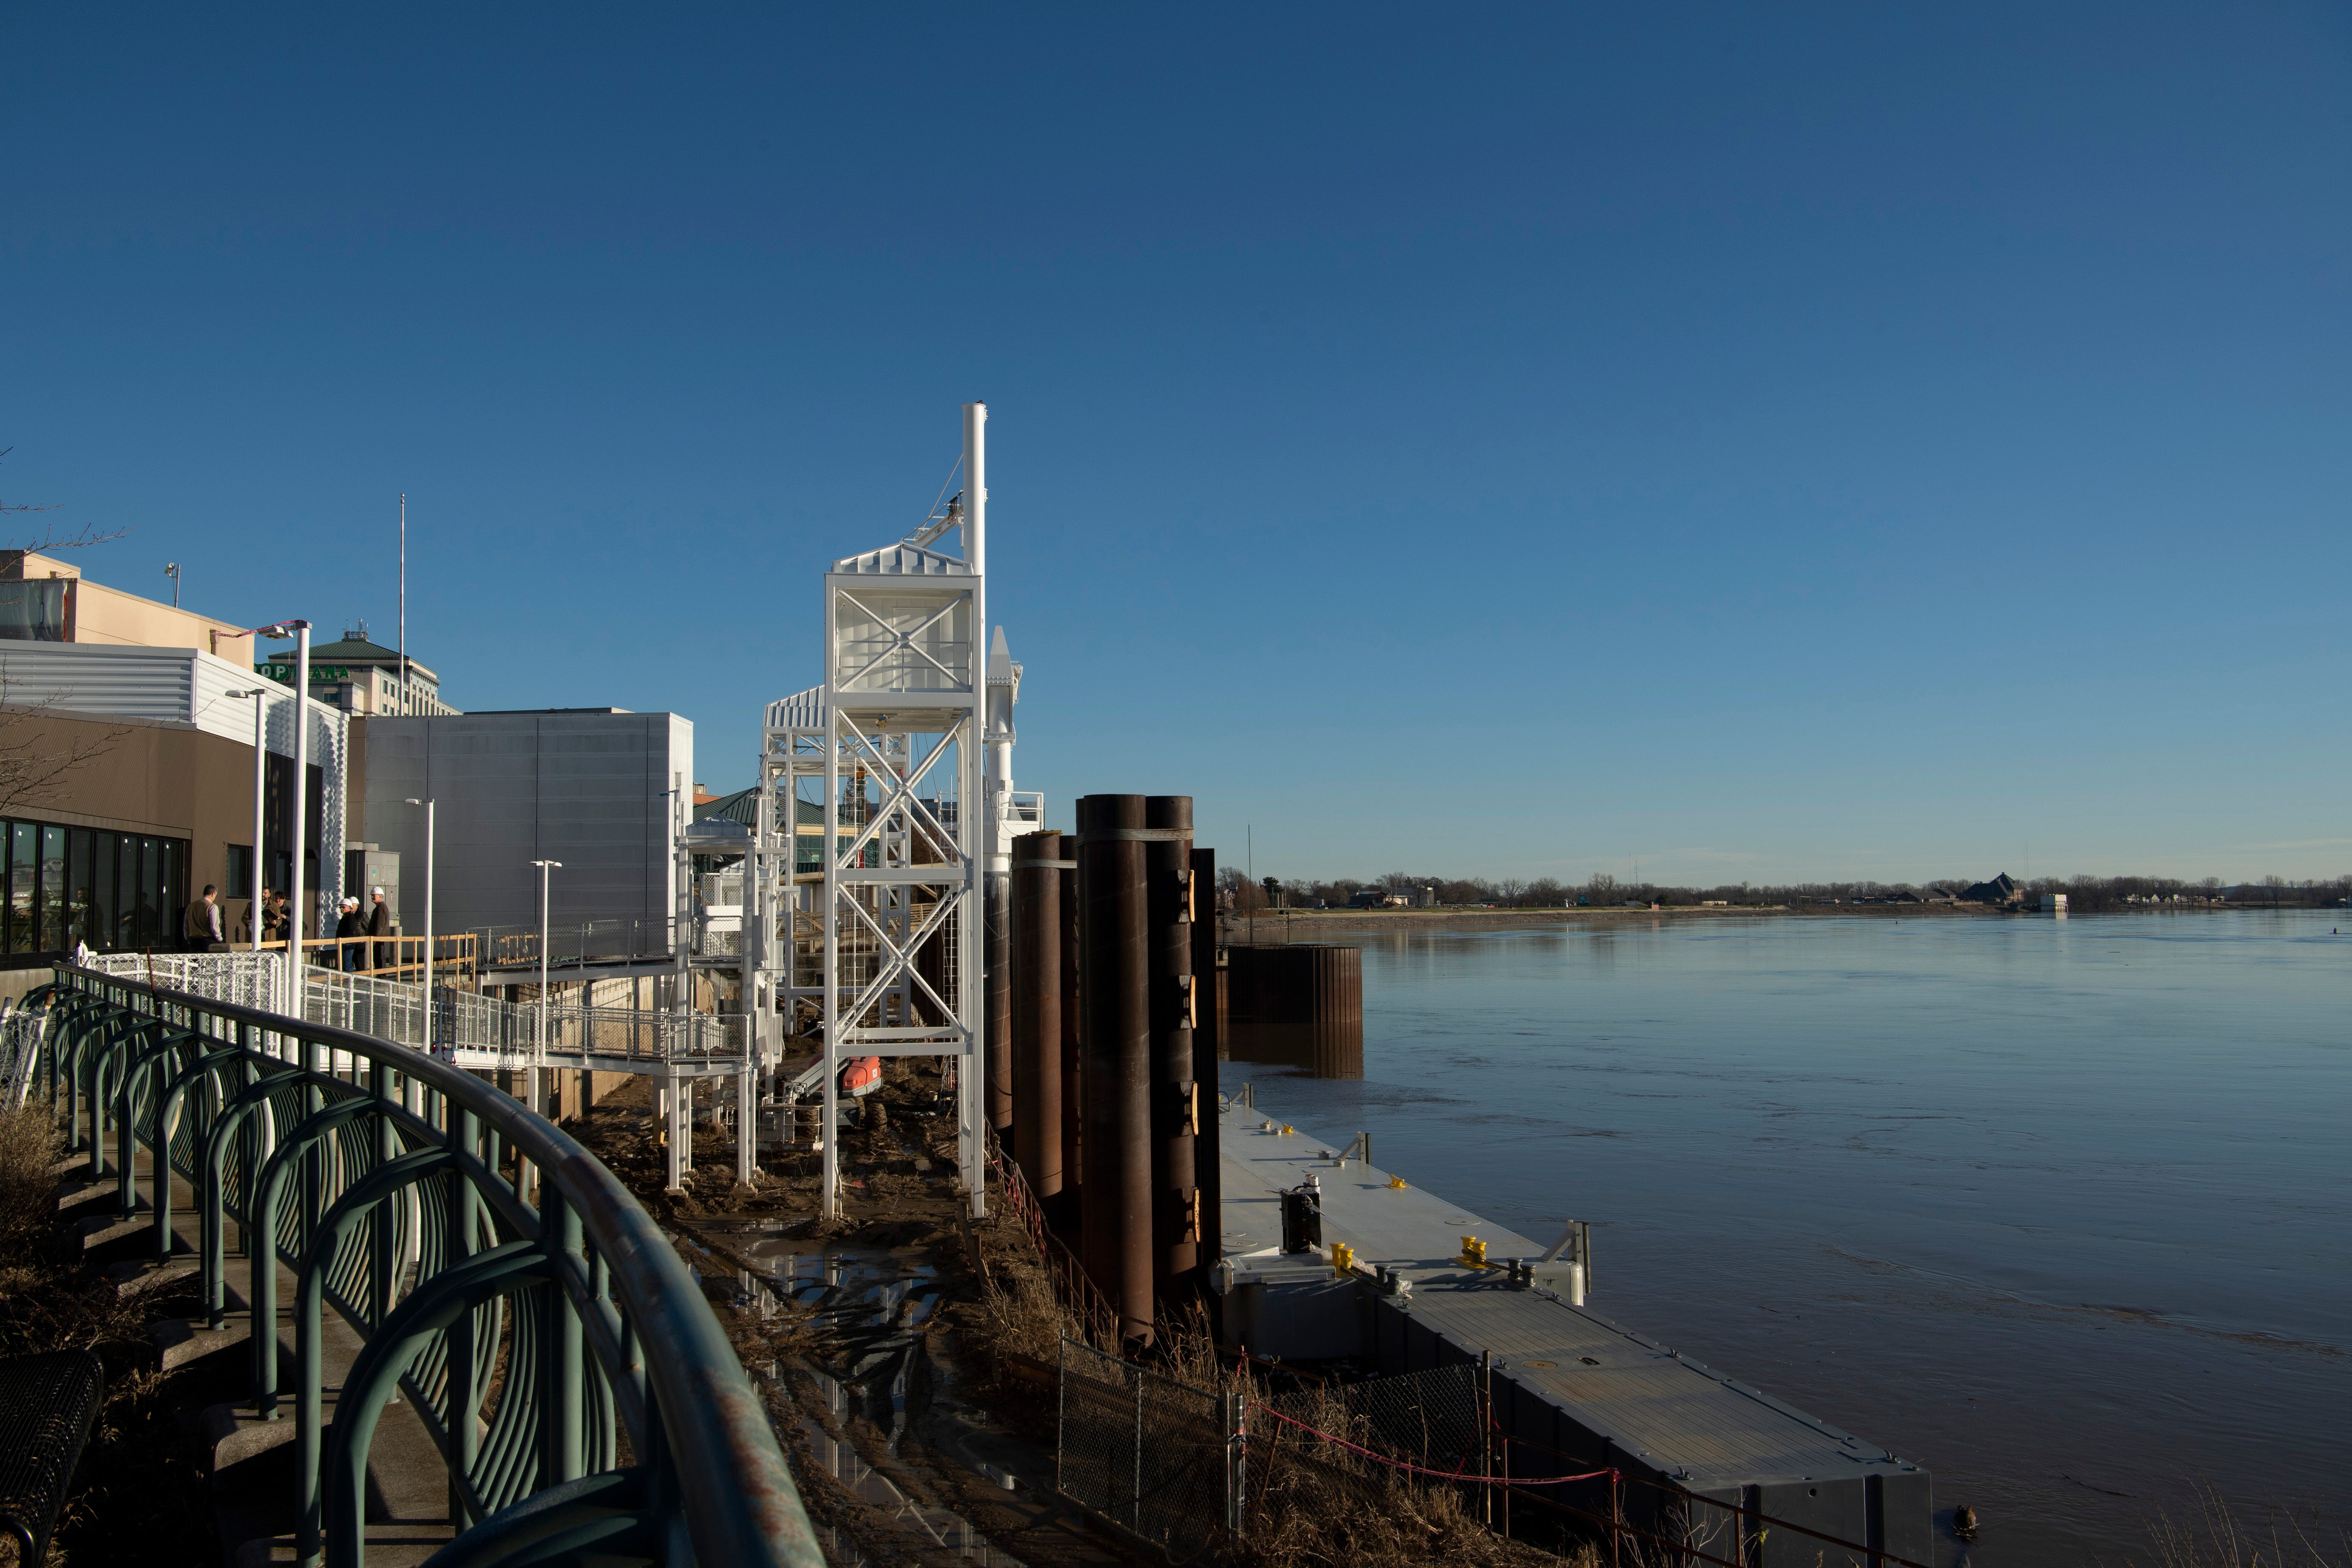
column 544, row 867
column 429, row 814
column 301, row 632
column 260, row 695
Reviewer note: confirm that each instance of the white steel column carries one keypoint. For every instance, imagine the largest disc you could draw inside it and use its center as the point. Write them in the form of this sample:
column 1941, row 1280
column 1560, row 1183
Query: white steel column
column 829, row 892
column 972, row 810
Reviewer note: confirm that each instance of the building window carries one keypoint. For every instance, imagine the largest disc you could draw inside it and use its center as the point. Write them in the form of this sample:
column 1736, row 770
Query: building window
column 24, row 870
column 33, row 611
column 102, row 901
column 53, row 890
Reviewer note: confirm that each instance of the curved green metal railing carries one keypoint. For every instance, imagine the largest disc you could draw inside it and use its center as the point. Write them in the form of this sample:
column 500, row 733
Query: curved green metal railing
column 583, row 1396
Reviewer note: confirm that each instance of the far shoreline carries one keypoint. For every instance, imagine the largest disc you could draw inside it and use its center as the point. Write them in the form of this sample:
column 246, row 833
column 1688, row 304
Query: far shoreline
column 1266, row 923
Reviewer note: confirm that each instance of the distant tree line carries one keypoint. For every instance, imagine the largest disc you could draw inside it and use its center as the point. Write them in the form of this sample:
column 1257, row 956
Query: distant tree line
column 1602, row 890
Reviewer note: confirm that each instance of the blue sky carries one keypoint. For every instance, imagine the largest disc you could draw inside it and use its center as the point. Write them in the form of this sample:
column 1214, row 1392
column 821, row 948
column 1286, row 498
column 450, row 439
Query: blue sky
column 1868, row 441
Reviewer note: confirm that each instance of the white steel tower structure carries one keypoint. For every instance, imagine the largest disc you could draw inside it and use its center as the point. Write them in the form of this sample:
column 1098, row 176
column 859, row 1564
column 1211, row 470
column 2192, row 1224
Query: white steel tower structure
column 890, row 752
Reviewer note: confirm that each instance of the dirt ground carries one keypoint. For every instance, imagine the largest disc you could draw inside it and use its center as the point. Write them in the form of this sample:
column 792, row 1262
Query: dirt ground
column 971, row 1401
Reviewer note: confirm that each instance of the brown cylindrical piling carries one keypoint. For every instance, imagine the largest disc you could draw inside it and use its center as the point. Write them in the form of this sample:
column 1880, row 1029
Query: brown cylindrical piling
column 996, row 894
column 1176, row 1220
column 1038, row 1011
column 1208, row 1023
column 1116, row 1002
column 1074, row 1065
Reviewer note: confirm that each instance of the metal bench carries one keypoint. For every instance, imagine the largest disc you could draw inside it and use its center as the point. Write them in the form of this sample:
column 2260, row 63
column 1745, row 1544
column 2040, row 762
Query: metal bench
column 49, row 1403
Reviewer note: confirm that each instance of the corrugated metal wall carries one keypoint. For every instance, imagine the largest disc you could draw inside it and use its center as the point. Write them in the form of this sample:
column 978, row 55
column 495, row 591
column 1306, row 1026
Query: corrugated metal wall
column 588, row 789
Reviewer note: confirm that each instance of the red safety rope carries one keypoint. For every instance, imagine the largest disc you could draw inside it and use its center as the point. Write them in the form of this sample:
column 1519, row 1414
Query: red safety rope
column 1419, row 1470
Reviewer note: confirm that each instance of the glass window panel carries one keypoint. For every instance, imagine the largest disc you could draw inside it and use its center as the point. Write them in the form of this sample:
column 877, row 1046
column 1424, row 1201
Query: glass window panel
column 24, row 848
column 33, row 611
column 126, row 894
column 79, row 844
column 172, row 907
column 53, row 890
column 103, row 902
column 150, row 892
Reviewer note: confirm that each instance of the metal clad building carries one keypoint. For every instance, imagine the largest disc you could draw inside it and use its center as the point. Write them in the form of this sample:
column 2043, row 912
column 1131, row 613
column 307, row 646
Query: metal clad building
column 592, row 788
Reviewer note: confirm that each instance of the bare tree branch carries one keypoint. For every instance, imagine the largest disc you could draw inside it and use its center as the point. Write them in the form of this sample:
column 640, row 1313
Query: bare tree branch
column 35, row 767
column 50, row 539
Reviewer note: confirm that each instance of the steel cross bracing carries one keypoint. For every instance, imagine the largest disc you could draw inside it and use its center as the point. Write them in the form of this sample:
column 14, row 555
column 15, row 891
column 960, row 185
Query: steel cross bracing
column 506, row 1291
column 880, row 949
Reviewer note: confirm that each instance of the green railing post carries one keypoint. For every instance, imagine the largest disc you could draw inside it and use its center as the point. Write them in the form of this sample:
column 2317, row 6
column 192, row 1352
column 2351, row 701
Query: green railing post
column 464, row 1402
column 559, row 1233
column 593, row 1317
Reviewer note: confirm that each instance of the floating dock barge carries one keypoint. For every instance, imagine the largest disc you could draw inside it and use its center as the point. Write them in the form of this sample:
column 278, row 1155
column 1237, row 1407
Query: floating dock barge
column 1578, row 1390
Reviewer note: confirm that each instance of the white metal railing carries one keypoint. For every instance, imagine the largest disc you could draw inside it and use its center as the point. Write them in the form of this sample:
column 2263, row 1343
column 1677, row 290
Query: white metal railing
column 464, row 1026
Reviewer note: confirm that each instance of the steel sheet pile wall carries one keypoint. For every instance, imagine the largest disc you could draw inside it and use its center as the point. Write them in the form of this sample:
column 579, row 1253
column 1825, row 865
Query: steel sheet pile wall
column 1301, row 1005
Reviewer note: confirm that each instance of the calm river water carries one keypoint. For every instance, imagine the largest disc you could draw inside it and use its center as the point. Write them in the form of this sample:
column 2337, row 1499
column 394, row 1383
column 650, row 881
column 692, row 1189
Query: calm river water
column 2061, row 1208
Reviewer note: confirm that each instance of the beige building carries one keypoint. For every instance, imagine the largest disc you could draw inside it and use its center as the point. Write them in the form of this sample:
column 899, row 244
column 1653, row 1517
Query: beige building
column 128, row 774
column 45, row 599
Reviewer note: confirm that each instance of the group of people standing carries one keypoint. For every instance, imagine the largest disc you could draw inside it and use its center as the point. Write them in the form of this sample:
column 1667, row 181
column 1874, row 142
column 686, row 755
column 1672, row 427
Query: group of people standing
column 204, row 927
column 377, row 921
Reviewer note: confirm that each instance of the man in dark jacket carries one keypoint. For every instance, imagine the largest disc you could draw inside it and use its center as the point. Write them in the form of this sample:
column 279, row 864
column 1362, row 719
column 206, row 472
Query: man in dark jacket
column 347, row 926
column 379, row 923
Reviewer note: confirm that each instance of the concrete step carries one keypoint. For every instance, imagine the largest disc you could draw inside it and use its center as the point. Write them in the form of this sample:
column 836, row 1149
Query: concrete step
column 180, row 1341
column 139, row 1276
column 99, row 1230
column 74, row 1193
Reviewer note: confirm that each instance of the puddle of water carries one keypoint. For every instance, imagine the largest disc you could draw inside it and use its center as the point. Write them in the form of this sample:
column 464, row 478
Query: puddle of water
column 847, row 1283
column 873, row 1302
column 936, row 1526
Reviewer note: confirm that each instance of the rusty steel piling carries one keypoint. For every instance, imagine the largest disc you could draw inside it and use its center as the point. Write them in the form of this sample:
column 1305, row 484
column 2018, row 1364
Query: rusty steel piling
column 1177, row 1221
column 1036, row 976
column 1116, row 1003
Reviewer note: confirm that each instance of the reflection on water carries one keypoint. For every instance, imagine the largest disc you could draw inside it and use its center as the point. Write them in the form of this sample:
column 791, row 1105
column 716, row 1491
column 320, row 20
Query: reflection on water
column 868, row 1306
column 925, row 1525
column 2058, row 1209
column 1318, row 1050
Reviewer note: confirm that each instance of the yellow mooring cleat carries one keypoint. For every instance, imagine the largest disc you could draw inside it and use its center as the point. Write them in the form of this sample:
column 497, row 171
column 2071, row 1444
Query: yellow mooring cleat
column 1474, row 1252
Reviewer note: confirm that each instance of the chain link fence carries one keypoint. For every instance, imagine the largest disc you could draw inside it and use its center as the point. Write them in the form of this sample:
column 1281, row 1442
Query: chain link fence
column 1158, row 1458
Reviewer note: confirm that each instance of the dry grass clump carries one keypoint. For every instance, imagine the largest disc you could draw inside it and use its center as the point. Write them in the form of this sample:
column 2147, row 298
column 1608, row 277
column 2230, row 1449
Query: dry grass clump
column 2215, row 1539
column 28, row 1183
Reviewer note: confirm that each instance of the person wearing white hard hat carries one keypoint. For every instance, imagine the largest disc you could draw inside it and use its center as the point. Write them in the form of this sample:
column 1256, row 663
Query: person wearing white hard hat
column 379, row 923
column 347, row 925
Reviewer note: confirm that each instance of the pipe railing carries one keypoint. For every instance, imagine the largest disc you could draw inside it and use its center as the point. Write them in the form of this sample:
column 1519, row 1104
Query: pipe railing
column 505, row 1284
column 454, row 1022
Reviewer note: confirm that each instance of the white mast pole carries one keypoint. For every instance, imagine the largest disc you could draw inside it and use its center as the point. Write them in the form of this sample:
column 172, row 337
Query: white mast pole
column 302, row 812
column 979, row 834
column 403, row 601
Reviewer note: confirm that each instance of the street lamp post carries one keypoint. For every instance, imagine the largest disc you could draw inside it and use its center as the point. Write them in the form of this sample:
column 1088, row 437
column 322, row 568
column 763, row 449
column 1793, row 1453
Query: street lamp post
column 301, row 632
column 261, row 696
column 544, row 867
column 429, row 814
